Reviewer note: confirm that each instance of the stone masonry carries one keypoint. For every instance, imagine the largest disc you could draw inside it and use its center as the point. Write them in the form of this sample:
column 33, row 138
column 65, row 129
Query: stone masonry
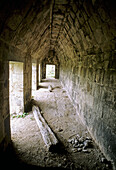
column 88, row 70
column 79, row 37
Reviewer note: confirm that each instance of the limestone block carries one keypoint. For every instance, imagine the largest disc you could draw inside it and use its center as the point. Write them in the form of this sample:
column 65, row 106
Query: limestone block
column 1, row 129
column 2, row 71
column 80, row 17
column 7, row 34
column 5, row 108
column 72, row 14
column 14, row 21
column 99, row 35
column 7, row 129
column 77, row 24
column 103, row 14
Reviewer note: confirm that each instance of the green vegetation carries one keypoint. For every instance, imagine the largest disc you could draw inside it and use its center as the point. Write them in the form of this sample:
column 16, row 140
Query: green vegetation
column 15, row 115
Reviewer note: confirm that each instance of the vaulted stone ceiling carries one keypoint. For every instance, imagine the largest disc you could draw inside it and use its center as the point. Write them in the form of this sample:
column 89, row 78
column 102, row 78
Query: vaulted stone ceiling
column 38, row 26
column 32, row 25
column 26, row 25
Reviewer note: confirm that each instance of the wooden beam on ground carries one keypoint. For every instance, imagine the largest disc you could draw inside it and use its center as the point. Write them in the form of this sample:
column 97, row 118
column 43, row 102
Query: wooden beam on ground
column 48, row 136
column 50, row 88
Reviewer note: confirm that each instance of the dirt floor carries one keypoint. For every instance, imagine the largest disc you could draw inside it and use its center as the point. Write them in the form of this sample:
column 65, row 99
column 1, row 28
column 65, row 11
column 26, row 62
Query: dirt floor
column 29, row 149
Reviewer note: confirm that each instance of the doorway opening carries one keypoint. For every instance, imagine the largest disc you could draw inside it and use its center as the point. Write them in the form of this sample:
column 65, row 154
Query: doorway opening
column 16, row 100
column 50, row 71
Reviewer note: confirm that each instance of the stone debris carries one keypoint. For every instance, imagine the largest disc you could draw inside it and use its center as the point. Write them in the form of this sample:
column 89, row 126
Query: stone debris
column 106, row 163
column 81, row 144
column 60, row 130
column 79, row 149
column 103, row 160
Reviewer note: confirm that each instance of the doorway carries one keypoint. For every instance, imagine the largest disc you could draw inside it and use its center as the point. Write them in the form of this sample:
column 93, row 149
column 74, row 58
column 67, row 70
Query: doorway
column 16, row 101
column 50, row 71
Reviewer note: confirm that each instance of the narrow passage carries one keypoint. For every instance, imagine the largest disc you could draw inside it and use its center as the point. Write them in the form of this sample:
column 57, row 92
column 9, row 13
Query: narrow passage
column 61, row 116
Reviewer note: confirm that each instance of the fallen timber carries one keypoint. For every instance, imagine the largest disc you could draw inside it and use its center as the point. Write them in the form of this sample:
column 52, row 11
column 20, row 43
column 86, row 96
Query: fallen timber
column 50, row 88
column 48, row 136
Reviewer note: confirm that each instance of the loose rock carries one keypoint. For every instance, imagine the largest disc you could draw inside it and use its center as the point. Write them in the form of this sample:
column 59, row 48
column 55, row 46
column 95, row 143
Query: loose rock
column 103, row 160
column 85, row 151
column 81, row 143
column 79, row 149
column 74, row 150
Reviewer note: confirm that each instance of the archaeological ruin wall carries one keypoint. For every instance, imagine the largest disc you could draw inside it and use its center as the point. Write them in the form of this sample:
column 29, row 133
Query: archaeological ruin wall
column 88, row 70
column 82, row 37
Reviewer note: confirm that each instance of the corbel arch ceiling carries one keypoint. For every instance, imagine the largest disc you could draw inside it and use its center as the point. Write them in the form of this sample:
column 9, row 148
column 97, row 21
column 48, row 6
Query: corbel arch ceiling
column 38, row 26
column 32, row 25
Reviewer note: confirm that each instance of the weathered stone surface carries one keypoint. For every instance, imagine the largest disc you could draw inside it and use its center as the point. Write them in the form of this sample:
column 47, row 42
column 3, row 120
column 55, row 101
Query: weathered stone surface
column 81, row 144
column 27, row 82
column 82, row 36
column 16, row 87
column 4, row 103
column 94, row 78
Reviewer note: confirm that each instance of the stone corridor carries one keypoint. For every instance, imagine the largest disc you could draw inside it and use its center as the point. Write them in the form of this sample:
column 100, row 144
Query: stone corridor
column 78, row 37
column 61, row 116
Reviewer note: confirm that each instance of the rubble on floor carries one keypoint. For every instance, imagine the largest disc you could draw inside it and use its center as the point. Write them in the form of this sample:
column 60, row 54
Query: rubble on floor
column 77, row 149
column 80, row 143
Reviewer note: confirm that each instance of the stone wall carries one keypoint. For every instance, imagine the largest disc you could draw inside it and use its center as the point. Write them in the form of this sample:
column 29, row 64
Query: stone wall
column 27, row 82
column 34, row 78
column 88, row 69
column 4, row 98
column 81, row 36
column 6, row 53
